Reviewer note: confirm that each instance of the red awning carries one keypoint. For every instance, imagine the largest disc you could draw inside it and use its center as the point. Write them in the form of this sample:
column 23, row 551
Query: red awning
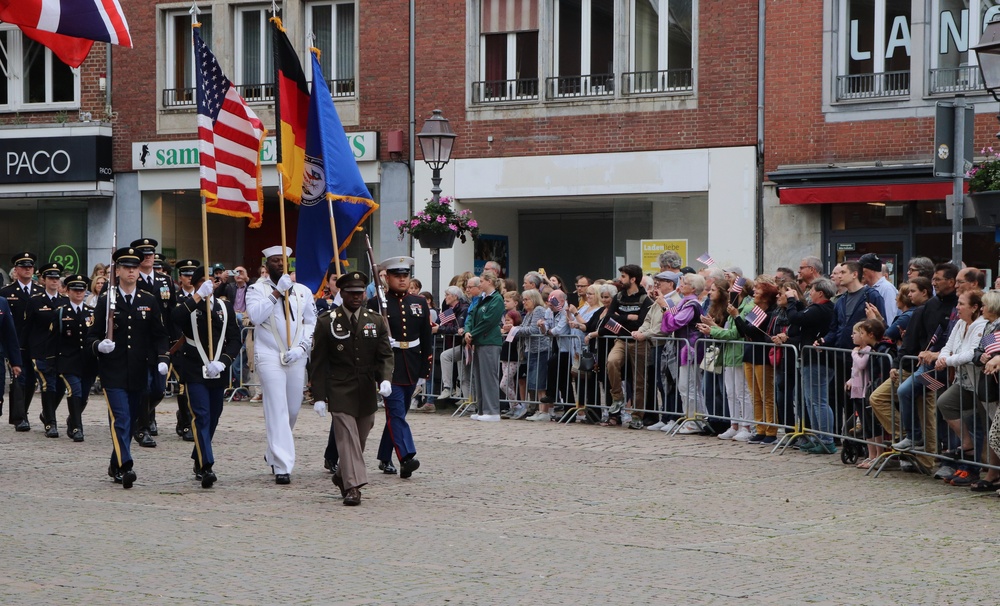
column 846, row 194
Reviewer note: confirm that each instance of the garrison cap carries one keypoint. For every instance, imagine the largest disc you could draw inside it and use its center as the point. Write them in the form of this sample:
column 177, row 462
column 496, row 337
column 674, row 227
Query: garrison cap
column 126, row 257
column 356, row 281
column 76, row 282
column 51, row 270
column 397, row 265
column 25, row 259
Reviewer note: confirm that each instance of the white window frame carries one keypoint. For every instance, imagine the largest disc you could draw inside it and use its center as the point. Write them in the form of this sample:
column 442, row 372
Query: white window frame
column 953, row 36
column 265, row 79
column 878, row 50
column 662, row 45
column 334, row 42
column 171, row 53
column 510, row 71
column 15, row 78
column 586, row 36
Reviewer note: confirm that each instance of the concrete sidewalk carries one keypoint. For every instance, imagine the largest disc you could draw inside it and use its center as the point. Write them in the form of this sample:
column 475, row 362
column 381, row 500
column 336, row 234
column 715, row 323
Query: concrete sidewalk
column 499, row 513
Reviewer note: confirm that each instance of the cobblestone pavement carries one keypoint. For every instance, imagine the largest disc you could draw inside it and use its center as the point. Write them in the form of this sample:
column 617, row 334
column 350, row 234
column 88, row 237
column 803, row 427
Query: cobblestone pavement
column 499, row 513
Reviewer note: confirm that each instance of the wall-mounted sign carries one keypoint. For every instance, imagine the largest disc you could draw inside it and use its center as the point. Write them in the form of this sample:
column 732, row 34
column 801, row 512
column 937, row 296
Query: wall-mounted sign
column 66, row 256
column 651, row 250
column 184, row 154
column 845, row 246
column 55, row 159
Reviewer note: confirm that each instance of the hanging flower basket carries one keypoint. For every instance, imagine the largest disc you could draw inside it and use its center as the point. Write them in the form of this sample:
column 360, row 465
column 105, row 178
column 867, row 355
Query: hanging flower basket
column 987, row 205
column 437, row 225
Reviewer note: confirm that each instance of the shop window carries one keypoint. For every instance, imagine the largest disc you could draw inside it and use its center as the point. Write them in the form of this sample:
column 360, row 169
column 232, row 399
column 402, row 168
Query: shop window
column 955, row 27
column 254, row 55
column 508, row 52
column 179, row 80
column 34, row 78
column 877, row 215
column 583, row 49
column 334, row 26
column 661, row 47
column 875, row 49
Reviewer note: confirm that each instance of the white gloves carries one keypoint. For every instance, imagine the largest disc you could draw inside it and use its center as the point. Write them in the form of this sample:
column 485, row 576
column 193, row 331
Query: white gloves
column 320, row 407
column 106, row 346
column 285, row 283
column 294, row 354
column 393, row 342
column 215, row 369
column 162, row 368
column 421, row 382
column 205, row 290
column 385, row 389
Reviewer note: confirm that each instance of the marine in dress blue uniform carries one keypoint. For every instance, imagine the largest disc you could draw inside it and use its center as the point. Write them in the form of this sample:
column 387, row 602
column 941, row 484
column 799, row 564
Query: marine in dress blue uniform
column 39, row 316
column 139, row 342
column 18, row 293
column 77, row 369
column 203, row 365
column 410, row 338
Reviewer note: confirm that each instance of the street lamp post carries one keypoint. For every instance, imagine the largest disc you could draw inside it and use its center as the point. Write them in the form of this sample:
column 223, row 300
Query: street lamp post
column 436, row 142
column 988, row 58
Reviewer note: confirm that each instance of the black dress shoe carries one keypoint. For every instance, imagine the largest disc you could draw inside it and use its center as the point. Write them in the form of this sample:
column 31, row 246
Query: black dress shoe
column 353, row 497
column 187, row 435
column 197, row 471
column 407, row 467
column 144, row 440
column 282, row 478
column 128, row 478
column 153, row 430
column 76, row 434
column 339, row 483
column 208, row 478
column 114, row 473
column 51, row 431
column 22, row 426
column 386, row 467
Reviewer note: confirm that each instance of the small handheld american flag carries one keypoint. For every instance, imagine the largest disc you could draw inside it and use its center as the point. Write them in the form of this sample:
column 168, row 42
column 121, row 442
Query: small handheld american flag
column 556, row 304
column 928, row 379
column 446, row 316
column 613, row 326
column 756, row 316
column 706, row 259
column 738, row 285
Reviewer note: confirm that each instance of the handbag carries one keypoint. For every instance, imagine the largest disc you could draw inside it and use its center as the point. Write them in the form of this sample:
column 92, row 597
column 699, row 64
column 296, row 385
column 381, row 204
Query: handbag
column 712, row 362
column 988, row 387
column 774, row 356
column 587, row 361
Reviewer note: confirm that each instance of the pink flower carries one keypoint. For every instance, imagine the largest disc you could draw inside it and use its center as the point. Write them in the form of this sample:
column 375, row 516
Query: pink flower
column 442, row 219
column 473, row 224
column 414, row 222
column 445, row 200
column 453, row 228
column 399, row 223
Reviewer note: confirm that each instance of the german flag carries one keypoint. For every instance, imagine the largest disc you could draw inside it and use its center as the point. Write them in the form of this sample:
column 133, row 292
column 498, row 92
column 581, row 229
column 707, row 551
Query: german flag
column 291, row 108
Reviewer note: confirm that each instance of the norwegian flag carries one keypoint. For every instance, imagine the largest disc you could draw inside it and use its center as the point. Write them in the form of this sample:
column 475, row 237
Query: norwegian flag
column 446, row 316
column 928, row 379
column 991, row 343
column 613, row 326
column 738, row 285
column 756, row 316
column 706, row 259
column 230, row 138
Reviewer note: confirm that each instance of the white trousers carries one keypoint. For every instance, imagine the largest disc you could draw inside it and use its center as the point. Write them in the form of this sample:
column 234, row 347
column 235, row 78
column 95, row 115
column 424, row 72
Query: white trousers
column 738, row 396
column 282, row 387
column 448, row 359
column 689, row 388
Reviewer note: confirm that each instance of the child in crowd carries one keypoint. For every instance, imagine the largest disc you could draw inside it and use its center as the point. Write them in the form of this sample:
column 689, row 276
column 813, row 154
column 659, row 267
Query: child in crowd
column 866, row 335
column 508, row 351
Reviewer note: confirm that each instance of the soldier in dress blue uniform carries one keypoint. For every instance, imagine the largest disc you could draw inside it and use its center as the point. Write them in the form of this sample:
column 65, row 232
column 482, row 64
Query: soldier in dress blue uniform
column 76, row 368
column 18, row 293
column 410, row 338
column 162, row 288
column 39, row 316
column 185, row 271
column 10, row 348
column 139, row 341
column 203, row 365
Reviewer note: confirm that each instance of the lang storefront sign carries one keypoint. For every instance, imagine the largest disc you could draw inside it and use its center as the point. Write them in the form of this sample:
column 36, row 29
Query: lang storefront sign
column 184, row 154
column 55, row 159
column 651, row 250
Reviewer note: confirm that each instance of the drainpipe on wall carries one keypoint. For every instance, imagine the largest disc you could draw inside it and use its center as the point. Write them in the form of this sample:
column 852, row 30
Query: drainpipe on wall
column 759, row 211
column 412, row 116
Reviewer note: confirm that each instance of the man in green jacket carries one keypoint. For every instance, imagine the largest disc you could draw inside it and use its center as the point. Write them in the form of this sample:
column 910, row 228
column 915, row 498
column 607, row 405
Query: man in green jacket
column 482, row 331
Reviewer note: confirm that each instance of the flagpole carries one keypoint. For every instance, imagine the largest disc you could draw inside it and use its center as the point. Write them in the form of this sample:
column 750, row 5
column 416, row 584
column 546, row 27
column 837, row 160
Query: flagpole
column 204, row 251
column 333, row 234
column 284, row 257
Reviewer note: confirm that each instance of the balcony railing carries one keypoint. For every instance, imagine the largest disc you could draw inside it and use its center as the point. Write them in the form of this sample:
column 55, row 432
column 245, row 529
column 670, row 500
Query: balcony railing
column 500, row 91
column 341, row 88
column 256, row 93
column 178, row 97
column 593, row 85
column 873, row 86
column 253, row 93
column 661, row 81
column 956, row 79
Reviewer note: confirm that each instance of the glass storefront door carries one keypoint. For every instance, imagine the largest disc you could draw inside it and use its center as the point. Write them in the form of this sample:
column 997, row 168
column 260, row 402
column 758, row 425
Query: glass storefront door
column 891, row 250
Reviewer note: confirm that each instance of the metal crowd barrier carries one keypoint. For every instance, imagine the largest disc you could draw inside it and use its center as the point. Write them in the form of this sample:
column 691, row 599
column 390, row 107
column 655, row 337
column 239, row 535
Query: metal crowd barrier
column 240, row 381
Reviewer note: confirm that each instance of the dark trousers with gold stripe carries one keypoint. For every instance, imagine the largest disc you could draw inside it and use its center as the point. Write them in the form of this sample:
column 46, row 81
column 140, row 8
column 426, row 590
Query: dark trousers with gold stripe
column 51, row 389
column 205, row 407
column 123, row 407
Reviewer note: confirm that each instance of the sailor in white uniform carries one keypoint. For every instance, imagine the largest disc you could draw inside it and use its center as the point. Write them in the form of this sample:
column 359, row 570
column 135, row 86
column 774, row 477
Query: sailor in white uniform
column 280, row 361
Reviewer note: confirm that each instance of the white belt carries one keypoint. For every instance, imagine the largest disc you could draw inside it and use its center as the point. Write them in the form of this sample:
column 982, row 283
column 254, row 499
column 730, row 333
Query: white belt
column 406, row 344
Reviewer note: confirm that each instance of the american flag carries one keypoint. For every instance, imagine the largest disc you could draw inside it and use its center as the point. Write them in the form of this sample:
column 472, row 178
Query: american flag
column 671, row 303
column 446, row 316
column 613, row 326
column 756, row 316
column 230, row 138
column 991, row 343
column 706, row 259
column 928, row 379
column 738, row 285
column 556, row 304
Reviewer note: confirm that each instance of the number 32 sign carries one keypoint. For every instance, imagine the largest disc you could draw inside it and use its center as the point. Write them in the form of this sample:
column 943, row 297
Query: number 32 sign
column 66, row 256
